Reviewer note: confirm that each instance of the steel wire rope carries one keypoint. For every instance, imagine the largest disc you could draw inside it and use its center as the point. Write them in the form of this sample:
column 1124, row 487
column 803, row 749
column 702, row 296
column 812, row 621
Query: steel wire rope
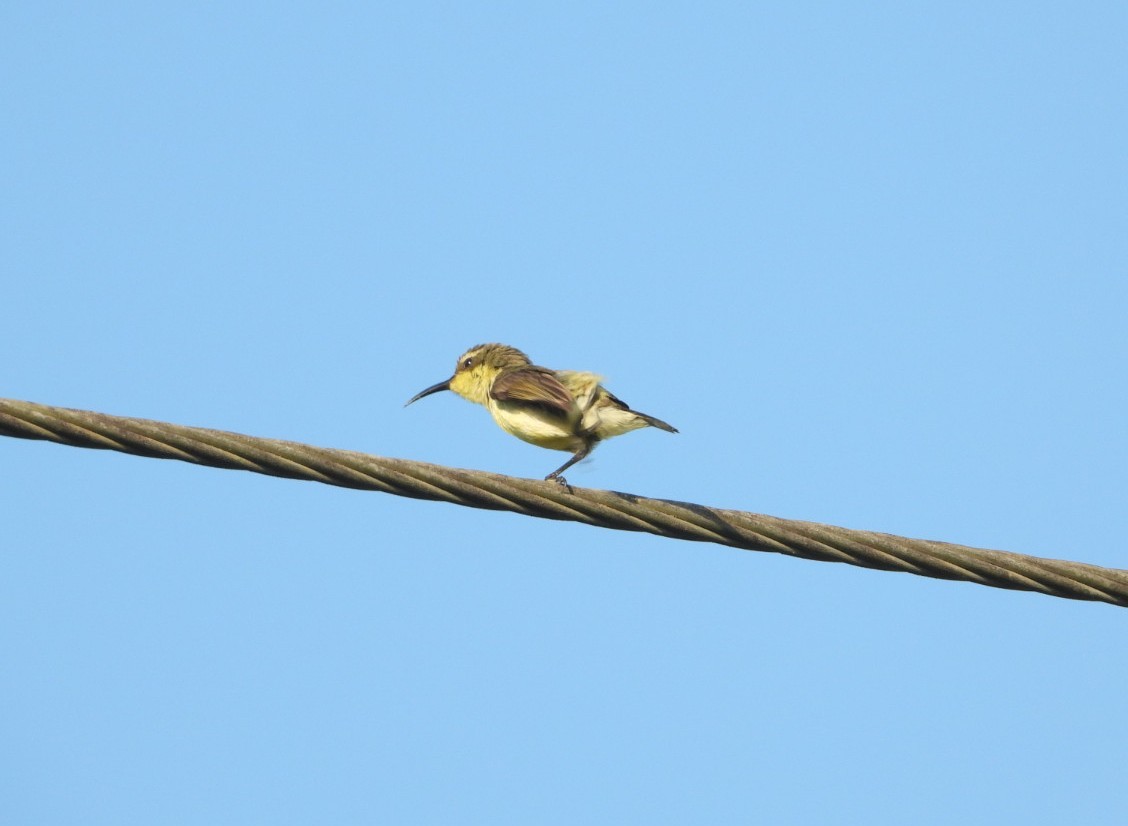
column 608, row 509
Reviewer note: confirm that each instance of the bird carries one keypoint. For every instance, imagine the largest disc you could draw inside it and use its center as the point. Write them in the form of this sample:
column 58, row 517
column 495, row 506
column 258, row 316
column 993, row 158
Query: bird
column 556, row 409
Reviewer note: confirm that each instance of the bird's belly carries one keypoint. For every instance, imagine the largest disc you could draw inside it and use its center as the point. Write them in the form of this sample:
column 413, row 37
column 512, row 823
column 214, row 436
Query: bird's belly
column 536, row 427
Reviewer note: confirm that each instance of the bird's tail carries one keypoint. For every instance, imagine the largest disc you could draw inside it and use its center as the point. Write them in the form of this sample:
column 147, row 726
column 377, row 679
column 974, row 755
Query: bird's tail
column 658, row 423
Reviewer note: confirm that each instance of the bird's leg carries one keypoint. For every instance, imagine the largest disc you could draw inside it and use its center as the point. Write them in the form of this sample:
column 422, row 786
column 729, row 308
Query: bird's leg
column 580, row 454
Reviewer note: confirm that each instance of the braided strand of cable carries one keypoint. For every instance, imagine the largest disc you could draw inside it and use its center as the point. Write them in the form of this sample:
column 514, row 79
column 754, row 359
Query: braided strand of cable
column 608, row 509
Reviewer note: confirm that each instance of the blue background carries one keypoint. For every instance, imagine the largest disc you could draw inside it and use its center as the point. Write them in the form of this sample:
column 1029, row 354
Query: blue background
column 870, row 258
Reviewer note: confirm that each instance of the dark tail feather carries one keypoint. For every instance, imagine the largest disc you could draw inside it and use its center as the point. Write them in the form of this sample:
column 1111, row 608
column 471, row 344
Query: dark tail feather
column 658, row 423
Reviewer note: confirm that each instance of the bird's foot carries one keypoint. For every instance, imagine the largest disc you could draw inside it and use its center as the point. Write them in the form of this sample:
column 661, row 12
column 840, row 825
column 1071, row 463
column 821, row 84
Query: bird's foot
column 560, row 480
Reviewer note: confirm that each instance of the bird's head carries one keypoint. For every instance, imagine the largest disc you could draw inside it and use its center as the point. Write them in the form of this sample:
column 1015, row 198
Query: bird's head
column 476, row 370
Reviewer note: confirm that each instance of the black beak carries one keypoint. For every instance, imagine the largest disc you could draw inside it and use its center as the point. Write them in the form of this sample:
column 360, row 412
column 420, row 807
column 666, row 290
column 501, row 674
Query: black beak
column 434, row 388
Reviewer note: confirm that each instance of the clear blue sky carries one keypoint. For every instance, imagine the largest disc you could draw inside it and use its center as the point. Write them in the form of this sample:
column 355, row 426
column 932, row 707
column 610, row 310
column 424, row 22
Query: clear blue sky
column 871, row 259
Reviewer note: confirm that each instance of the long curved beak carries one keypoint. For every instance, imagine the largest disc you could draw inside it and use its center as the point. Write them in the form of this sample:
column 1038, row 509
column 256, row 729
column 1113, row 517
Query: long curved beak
column 434, row 388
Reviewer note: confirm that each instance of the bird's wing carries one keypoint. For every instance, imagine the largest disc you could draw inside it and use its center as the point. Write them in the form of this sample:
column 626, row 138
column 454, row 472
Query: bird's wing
column 534, row 385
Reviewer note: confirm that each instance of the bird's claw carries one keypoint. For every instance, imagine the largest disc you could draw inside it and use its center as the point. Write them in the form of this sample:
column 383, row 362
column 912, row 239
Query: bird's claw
column 560, row 480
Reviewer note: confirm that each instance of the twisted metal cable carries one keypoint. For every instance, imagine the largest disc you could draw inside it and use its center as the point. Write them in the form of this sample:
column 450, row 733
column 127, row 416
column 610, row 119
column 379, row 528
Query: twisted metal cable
column 608, row 509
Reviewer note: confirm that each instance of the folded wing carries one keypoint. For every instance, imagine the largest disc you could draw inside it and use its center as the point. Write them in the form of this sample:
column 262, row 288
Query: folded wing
column 537, row 386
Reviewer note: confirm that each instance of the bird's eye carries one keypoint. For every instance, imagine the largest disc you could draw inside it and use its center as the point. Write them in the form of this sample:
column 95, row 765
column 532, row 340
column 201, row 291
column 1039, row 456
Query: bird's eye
column 467, row 364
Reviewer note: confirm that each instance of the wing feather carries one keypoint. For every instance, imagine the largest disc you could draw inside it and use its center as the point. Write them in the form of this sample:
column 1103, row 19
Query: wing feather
column 534, row 385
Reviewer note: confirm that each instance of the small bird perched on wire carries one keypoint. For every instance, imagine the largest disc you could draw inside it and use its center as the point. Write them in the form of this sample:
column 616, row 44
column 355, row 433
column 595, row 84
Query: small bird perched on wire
column 557, row 409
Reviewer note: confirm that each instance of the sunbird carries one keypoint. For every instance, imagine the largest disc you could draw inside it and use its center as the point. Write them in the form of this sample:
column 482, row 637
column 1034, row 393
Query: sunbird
column 557, row 409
